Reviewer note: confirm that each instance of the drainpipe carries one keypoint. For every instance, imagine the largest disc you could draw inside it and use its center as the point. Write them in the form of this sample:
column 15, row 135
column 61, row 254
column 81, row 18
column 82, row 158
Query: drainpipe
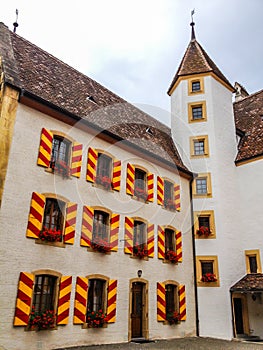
column 194, row 259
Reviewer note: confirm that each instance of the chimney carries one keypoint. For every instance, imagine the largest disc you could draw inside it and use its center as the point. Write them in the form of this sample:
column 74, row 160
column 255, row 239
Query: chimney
column 241, row 92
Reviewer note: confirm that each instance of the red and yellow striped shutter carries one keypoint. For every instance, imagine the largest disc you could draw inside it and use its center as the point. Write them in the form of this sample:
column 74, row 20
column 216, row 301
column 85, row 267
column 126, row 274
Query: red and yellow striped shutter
column 23, row 300
column 161, row 303
column 150, row 178
column 150, row 240
column 64, row 300
column 178, row 243
column 45, row 148
column 92, row 164
column 112, row 301
column 130, row 179
column 71, row 215
column 36, row 213
column 76, row 159
column 87, row 224
column 80, row 304
column 116, row 175
column 177, row 200
column 182, row 303
column 161, row 242
column 128, row 238
column 114, row 230
column 160, row 190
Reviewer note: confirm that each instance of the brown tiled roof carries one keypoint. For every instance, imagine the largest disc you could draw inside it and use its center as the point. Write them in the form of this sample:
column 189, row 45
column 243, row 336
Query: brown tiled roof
column 248, row 118
column 196, row 61
column 249, row 283
column 30, row 68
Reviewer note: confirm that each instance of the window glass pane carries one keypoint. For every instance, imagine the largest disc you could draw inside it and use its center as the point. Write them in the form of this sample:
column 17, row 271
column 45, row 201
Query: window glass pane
column 139, row 234
column 104, row 165
column 168, row 191
column 207, row 267
column 196, row 86
column 197, row 113
column 170, row 292
column 60, row 150
column 199, row 147
column 140, row 179
column 204, row 221
column 96, row 294
column 201, row 186
column 53, row 214
column 44, row 292
column 169, row 240
column 100, row 225
column 253, row 264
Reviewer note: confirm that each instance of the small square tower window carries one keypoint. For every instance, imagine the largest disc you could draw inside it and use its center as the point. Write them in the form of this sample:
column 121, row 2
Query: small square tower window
column 196, row 86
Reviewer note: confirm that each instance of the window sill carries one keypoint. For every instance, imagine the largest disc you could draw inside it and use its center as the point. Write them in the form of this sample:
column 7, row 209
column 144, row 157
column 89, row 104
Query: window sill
column 85, row 326
column 146, row 258
column 208, row 284
column 53, row 244
column 90, row 249
column 51, row 171
column 102, row 187
column 205, row 195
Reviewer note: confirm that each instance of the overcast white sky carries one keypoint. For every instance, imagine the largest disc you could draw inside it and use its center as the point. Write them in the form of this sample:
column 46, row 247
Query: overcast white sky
column 134, row 47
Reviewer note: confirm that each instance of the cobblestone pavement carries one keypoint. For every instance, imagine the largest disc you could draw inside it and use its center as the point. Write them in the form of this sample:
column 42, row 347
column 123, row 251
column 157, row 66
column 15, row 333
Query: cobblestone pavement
column 177, row 344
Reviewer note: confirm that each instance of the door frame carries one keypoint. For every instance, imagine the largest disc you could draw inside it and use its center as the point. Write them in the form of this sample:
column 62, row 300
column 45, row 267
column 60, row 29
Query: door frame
column 145, row 329
column 245, row 318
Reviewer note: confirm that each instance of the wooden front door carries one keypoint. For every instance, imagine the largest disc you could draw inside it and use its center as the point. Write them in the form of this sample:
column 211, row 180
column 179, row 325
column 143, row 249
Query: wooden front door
column 241, row 325
column 137, row 310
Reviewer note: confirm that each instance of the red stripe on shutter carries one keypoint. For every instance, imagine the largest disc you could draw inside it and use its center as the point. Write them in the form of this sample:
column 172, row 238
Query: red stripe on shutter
column 177, row 197
column 36, row 213
column 114, row 230
column 112, row 298
column 23, row 300
column 150, row 240
column 116, row 176
column 161, row 242
column 64, row 300
column 76, row 159
column 161, row 303
column 182, row 303
column 160, row 190
column 87, row 222
column 80, row 305
column 150, row 183
column 130, row 179
column 92, row 164
column 45, row 148
column 128, row 246
column 179, row 250
column 71, row 216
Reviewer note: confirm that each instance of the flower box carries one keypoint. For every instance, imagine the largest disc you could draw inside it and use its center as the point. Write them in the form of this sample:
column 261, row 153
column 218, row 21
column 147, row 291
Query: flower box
column 203, row 231
column 171, row 256
column 140, row 251
column 42, row 320
column 61, row 167
column 141, row 193
column 104, row 181
column 169, row 204
column 173, row 317
column 96, row 319
column 100, row 245
column 49, row 235
column 208, row 277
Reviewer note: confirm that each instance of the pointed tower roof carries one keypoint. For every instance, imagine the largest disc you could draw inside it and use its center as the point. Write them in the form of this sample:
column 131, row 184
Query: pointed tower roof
column 197, row 61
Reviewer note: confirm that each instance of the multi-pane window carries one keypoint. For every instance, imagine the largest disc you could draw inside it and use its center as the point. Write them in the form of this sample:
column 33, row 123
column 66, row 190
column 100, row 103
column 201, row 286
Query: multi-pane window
column 196, row 86
column 53, row 214
column 168, row 192
column 100, row 225
column 104, row 165
column 253, row 266
column 199, row 147
column 139, row 234
column 204, row 221
column 140, row 179
column 207, row 267
column 197, row 112
column 60, row 150
column 169, row 240
column 44, row 293
column 96, row 295
column 171, row 298
column 201, row 186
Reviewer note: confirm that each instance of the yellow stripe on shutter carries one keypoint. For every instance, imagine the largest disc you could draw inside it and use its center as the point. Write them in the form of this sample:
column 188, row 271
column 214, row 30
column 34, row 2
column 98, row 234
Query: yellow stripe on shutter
column 161, row 302
column 150, row 240
column 178, row 243
column 150, row 186
column 161, row 242
column 177, row 200
column 80, row 304
column 114, row 230
column 160, row 190
column 76, row 159
column 112, row 301
column 92, row 164
column 116, row 175
column 128, row 237
column 36, row 213
column 45, row 148
column 87, row 224
column 182, row 303
column 64, row 300
column 71, row 214
column 130, row 179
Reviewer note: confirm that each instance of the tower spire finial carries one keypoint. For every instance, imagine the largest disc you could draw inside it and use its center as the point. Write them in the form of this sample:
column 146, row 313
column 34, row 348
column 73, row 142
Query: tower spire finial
column 192, row 24
column 15, row 24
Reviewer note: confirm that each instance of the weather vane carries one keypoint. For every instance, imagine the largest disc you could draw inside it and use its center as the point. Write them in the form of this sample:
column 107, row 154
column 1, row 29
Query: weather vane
column 192, row 13
column 15, row 24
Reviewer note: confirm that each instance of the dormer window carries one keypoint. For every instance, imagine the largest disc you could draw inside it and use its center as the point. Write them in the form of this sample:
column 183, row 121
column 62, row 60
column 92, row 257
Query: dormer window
column 196, row 86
